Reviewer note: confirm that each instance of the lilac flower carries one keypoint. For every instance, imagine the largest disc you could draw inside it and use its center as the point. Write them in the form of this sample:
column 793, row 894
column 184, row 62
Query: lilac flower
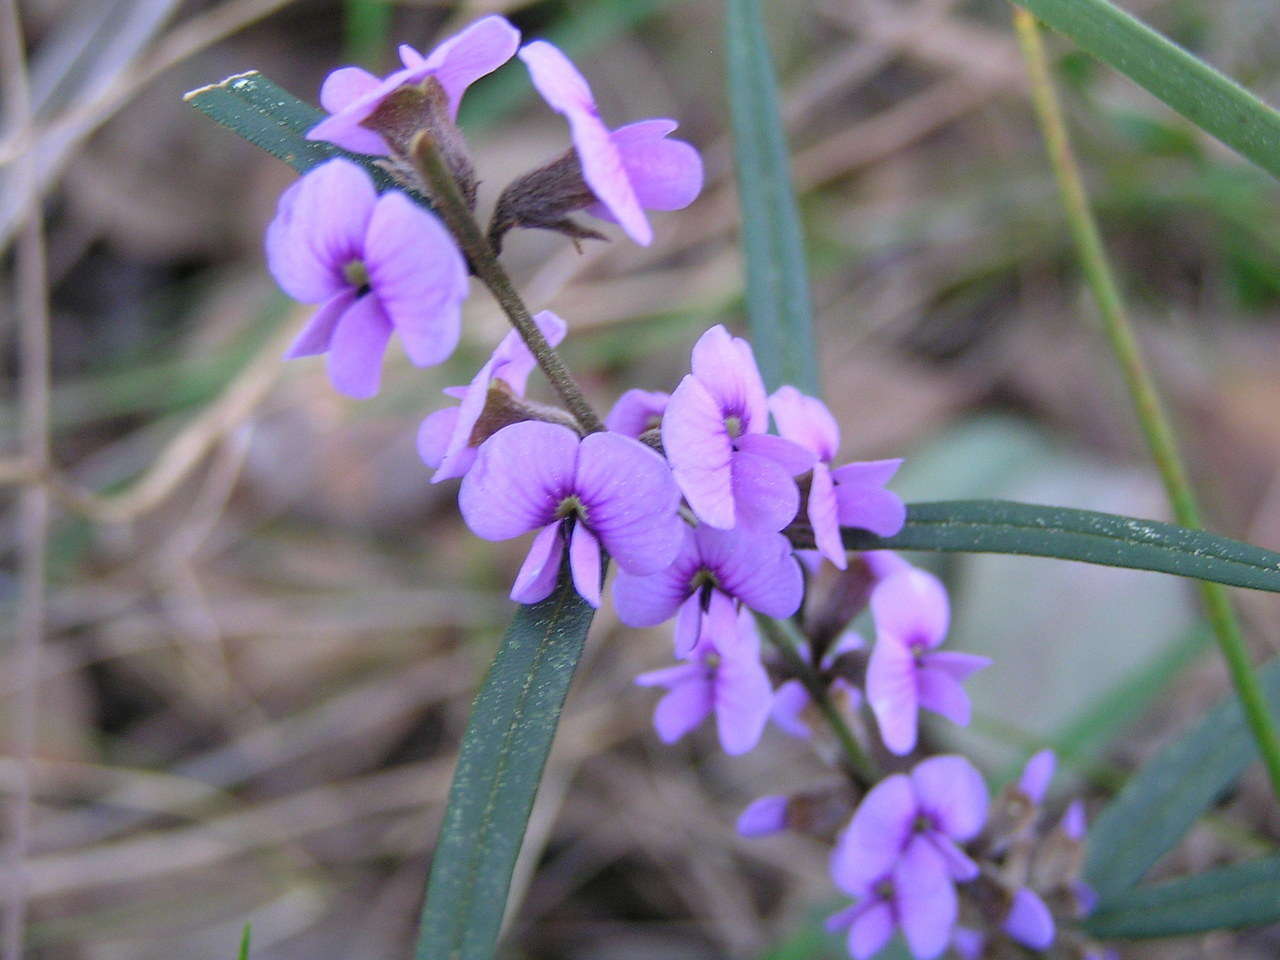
column 629, row 169
column 1037, row 773
column 601, row 490
column 791, row 701
column 374, row 264
column 906, row 671
column 733, row 685
column 352, row 95
column 637, row 411
column 763, row 816
column 713, row 569
column 445, row 437
column 728, row 468
column 1029, row 921
column 849, row 496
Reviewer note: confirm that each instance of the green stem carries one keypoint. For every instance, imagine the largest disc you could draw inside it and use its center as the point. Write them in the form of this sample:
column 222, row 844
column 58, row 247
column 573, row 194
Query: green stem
column 1155, row 424
column 861, row 766
column 462, row 224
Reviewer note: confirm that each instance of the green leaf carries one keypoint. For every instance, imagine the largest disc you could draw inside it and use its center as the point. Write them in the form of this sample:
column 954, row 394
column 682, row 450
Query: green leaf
column 244, row 942
column 1243, row 895
column 503, row 751
column 779, row 310
column 1210, row 100
column 1167, row 795
column 1000, row 526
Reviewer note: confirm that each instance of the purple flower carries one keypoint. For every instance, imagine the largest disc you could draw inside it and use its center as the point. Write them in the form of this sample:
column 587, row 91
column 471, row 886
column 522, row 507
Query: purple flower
column 629, row 169
column 600, row 490
column 637, row 411
column 1073, row 823
column 1036, row 775
column 1029, row 921
column 733, row 685
column 728, row 468
column 713, row 569
column 445, row 437
column 352, row 95
column 849, row 496
column 763, row 816
column 791, row 701
column 374, row 264
column 906, row 671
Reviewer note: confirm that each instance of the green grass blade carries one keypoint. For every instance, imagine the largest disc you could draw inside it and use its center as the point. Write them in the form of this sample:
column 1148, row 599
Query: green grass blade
column 1210, row 100
column 244, row 942
column 500, row 764
column 1243, row 895
column 779, row 310
column 1169, row 793
column 1000, row 526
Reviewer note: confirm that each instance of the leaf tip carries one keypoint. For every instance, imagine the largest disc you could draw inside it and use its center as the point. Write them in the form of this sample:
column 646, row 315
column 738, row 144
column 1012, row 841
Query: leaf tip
column 228, row 82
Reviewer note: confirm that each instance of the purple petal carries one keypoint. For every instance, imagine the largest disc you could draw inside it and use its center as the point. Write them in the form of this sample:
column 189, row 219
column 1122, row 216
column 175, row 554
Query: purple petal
column 873, row 473
column 358, row 345
column 821, row 510
column 843, row 919
column 434, row 434
column 876, row 836
column 630, row 499
column 968, row 943
column 913, row 607
column 719, row 626
column 700, row 452
column 744, row 698
column 1074, row 823
column 344, row 127
column 757, row 568
column 926, row 900
column 847, row 642
column 957, row 665
column 870, row 931
column 1086, row 898
column 520, row 476
column 951, row 790
column 960, row 866
column 688, row 626
column 884, row 563
column 764, row 495
column 584, row 561
column 865, row 504
column 1036, row 775
column 341, row 89
column 512, row 362
column 670, row 677
column 477, row 51
column 792, row 457
column 684, row 707
column 790, row 701
column 319, row 227
column 665, row 174
column 541, row 567
column 649, row 600
column 1029, row 921
column 805, row 420
column 418, row 274
column 891, row 693
column 942, row 694
column 317, row 335
column 567, row 92
column 637, row 411
column 764, row 816
column 727, row 368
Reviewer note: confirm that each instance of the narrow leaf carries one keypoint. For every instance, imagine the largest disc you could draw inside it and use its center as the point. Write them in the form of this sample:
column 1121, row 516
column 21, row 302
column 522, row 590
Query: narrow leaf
column 244, row 942
column 1243, row 895
column 503, row 752
column 1213, row 102
column 1000, row 526
column 778, row 306
column 1169, row 793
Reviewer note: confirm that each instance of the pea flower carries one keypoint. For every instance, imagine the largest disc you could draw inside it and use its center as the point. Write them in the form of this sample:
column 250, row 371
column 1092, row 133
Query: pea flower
column 852, row 495
column 374, row 264
column 351, row 95
column 637, row 412
column 906, row 671
column 733, row 685
column 730, row 470
column 626, row 171
column 447, row 439
column 1029, row 921
column 600, row 490
column 712, row 570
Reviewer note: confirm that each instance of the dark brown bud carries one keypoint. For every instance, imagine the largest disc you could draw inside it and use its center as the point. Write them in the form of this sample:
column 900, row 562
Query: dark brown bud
column 542, row 199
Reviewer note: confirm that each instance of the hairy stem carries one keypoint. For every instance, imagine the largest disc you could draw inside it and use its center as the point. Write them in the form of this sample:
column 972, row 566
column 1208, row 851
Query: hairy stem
column 861, row 766
column 462, row 223
column 1156, row 427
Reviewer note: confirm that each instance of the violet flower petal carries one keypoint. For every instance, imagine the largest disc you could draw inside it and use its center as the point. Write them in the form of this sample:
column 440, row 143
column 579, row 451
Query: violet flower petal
column 763, row 816
column 726, row 367
column 317, row 335
column 870, row 931
column 952, row 792
column 821, row 510
column 1074, row 823
column 744, row 698
column 757, row 568
column 941, row 693
column 700, row 452
column 792, row 457
column 665, row 174
column 684, row 707
column 870, row 508
column 433, row 436
column 956, row 664
column 541, row 567
column 645, row 601
column 584, row 562
column 913, row 607
column 637, row 411
column 891, row 693
column 520, row 476
column 960, row 866
column 926, row 900
column 358, row 345
column 688, row 626
column 790, row 701
column 805, row 420
column 1029, row 921
column 343, row 88
column 764, row 495
column 874, row 839
column 1037, row 774
column 476, row 51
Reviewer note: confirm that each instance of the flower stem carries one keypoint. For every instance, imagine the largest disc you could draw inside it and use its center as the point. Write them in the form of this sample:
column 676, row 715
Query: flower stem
column 462, row 223
column 1155, row 424
column 861, row 766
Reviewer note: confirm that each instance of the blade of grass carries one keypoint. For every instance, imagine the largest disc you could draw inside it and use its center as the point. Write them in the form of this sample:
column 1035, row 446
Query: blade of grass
column 1209, row 99
column 1146, row 401
column 779, row 309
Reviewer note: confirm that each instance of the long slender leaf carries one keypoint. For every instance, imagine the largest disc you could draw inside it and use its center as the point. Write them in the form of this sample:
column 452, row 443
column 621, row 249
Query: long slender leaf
column 1243, row 895
column 1000, row 526
column 779, row 309
column 500, row 764
column 245, row 936
column 1210, row 100
column 1163, row 799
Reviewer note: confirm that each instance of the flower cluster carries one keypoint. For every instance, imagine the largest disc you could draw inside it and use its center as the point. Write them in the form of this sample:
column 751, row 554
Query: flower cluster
column 714, row 520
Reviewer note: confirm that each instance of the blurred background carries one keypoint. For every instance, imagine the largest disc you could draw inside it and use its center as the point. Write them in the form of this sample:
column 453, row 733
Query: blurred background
column 264, row 627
